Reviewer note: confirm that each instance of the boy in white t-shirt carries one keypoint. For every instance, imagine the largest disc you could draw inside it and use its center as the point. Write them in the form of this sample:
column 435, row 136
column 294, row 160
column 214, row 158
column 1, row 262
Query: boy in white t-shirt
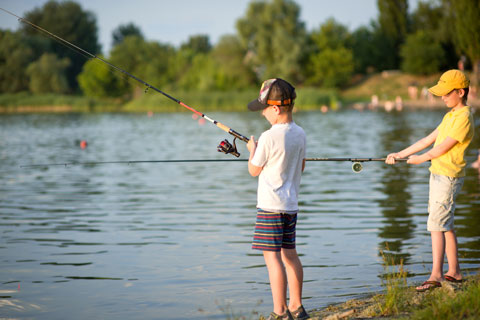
column 278, row 158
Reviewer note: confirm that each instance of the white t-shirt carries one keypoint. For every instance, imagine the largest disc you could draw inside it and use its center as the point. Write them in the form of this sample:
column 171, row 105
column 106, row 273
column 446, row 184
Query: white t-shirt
column 280, row 151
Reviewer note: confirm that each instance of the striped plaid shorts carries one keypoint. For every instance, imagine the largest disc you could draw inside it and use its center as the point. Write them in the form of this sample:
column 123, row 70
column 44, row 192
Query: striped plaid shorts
column 274, row 231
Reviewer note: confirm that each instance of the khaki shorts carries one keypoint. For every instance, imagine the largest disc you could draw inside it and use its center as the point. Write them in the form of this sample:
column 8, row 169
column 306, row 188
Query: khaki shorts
column 441, row 203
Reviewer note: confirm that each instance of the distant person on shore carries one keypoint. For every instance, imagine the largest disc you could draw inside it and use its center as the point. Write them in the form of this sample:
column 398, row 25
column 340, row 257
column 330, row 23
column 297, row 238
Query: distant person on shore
column 278, row 159
column 413, row 91
column 447, row 173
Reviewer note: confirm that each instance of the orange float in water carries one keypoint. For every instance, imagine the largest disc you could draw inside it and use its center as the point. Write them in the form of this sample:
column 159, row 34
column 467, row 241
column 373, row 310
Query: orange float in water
column 83, row 144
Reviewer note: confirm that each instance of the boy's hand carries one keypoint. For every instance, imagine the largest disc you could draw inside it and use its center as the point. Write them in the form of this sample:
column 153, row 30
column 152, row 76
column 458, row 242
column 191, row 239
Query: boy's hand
column 415, row 159
column 252, row 169
column 251, row 145
column 391, row 158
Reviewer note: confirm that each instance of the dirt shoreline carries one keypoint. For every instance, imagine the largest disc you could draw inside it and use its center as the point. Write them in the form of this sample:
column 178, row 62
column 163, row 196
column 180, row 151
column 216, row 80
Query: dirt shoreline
column 370, row 306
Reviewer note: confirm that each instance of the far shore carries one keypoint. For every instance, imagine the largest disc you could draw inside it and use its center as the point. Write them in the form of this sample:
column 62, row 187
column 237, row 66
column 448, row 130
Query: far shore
column 381, row 105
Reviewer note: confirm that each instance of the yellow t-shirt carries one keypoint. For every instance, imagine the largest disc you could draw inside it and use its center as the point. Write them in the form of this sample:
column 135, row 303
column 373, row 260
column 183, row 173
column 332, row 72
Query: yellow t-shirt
column 459, row 126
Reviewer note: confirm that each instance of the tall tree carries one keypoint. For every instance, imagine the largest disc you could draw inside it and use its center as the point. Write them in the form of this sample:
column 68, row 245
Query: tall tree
column 394, row 24
column 232, row 71
column 433, row 18
column 14, row 56
column 274, row 36
column 197, row 44
column 428, row 60
column 223, row 68
column 150, row 61
column 331, row 63
column 363, row 49
column 467, row 32
column 125, row 30
column 192, row 63
column 70, row 22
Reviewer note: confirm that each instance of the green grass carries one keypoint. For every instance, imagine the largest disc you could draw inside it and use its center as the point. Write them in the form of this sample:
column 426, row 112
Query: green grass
column 308, row 99
column 447, row 303
column 396, row 297
column 27, row 102
column 399, row 301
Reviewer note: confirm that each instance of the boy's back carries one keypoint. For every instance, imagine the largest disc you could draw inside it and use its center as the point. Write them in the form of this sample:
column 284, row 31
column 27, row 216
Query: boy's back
column 280, row 152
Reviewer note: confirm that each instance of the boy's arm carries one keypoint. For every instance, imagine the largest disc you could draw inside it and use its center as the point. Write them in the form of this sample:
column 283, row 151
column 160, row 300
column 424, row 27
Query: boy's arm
column 414, row 148
column 252, row 169
column 436, row 152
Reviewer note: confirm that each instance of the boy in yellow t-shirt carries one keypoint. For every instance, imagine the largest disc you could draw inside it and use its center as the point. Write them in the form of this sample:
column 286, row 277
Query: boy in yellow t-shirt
column 447, row 173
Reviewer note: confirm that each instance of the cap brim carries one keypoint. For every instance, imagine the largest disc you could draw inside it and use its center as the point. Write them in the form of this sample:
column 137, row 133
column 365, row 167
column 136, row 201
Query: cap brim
column 440, row 90
column 255, row 105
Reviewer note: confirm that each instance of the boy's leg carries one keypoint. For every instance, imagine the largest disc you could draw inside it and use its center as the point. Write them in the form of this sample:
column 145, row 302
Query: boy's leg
column 438, row 254
column 441, row 208
column 452, row 255
column 294, row 270
column 278, row 280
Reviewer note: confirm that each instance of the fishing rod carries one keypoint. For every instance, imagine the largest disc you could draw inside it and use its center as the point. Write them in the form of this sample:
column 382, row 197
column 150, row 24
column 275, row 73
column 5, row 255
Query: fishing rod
column 225, row 146
column 356, row 162
column 356, row 165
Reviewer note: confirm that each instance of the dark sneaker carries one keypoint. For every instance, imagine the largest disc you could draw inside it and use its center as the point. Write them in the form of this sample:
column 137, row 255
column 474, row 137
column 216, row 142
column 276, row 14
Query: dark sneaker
column 300, row 314
column 286, row 316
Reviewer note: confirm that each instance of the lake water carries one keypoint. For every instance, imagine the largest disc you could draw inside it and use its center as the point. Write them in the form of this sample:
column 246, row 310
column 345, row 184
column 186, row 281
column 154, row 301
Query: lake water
column 172, row 240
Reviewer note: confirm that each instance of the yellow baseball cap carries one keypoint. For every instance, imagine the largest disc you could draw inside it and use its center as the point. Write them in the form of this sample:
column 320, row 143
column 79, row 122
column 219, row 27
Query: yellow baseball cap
column 450, row 80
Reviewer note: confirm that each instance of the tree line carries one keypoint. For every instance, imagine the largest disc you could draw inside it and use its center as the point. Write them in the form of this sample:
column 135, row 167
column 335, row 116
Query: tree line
column 270, row 41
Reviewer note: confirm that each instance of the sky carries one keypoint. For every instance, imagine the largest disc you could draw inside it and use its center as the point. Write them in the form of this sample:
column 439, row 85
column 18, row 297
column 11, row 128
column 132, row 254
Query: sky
column 175, row 21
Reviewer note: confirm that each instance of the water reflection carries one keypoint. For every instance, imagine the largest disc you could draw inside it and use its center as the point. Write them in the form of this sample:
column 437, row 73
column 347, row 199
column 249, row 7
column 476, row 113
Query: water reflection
column 398, row 226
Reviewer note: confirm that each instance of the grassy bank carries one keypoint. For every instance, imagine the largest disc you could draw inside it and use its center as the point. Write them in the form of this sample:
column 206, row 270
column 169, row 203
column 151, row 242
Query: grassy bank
column 387, row 85
column 308, row 99
column 400, row 301
column 452, row 301
column 27, row 102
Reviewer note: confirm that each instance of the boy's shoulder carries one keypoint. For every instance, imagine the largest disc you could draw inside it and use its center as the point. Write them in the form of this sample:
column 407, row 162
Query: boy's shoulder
column 297, row 128
column 465, row 112
column 283, row 128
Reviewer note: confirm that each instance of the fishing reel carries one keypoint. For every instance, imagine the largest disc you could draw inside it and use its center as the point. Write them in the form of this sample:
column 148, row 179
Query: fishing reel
column 227, row 148
column 357, row 167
